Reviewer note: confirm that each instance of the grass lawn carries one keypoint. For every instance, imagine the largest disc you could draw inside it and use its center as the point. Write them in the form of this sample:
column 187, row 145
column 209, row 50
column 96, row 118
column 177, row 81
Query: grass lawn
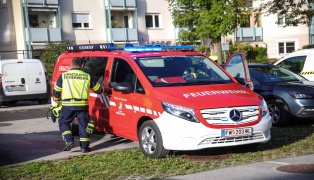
column 293, row 140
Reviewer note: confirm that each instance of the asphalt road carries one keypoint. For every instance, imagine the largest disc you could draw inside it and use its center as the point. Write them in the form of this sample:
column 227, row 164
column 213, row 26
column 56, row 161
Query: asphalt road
column 27, row 135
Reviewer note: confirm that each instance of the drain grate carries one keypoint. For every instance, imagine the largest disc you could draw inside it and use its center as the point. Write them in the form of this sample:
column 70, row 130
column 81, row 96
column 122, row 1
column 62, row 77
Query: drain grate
column 297, row 168
column 5, row 124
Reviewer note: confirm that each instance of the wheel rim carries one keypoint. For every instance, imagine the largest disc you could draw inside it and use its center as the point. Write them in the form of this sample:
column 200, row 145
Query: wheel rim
column 149, row 140
column 274, row 113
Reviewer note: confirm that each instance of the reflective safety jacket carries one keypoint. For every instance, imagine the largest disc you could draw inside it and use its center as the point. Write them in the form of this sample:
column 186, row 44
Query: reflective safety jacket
column 75, row 86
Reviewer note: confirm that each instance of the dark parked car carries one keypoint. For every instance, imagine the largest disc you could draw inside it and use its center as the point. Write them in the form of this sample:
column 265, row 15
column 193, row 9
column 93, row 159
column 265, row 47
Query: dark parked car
column 287, row 94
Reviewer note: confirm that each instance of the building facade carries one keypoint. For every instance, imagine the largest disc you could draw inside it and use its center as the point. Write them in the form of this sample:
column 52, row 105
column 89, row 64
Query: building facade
column 28, row 25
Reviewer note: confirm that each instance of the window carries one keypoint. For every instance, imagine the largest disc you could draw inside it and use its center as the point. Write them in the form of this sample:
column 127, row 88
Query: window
column 81, row 20
column 95, row 67
column 286, row 47
column 283, row 19
column 152, row 20
column 294, row 64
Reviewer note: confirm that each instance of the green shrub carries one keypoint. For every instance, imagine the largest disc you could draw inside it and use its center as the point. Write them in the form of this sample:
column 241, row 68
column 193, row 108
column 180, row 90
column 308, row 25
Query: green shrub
column 308, row 46
column 253, row 54
column 51, row 54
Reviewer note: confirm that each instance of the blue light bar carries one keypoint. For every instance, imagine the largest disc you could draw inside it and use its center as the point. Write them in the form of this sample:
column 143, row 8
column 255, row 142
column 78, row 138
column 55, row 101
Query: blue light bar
column 90, row 47
column 159, row 48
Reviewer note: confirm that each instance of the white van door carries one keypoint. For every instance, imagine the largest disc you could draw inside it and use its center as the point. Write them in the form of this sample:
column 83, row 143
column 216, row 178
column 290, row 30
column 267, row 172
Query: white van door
column 237, row 66
column 22, row 77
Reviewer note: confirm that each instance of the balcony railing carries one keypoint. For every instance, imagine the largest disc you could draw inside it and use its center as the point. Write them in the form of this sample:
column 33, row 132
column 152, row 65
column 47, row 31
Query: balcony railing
column 123, row 34
column 42, row 1
column 122, row 3
column 44, row 35
column 249, row 34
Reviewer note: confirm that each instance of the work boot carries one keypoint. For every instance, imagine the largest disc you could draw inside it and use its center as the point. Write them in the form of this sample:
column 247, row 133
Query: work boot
column 68, row 146
column 86, row 150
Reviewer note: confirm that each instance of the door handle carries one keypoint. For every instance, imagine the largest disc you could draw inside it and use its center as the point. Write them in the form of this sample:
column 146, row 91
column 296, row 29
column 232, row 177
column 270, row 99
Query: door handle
column 23, row 80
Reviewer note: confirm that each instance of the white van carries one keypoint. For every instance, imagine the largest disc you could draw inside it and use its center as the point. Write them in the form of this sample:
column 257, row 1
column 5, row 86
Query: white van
column 300, row 62
column 23, row 79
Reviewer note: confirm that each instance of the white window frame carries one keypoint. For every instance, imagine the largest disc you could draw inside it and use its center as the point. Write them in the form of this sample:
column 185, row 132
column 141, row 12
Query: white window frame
column 285, row 45
column 82, row 18
column 153, row 18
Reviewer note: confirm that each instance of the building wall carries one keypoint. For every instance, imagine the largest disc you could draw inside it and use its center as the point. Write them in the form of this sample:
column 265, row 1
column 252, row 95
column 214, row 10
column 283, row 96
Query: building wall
column 273, row 33
column 166, row 32
column 97, row 31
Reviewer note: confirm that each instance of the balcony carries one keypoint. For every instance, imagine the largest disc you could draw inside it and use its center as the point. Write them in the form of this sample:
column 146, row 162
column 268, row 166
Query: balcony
column 123, row 35
column 122, row 4
column 44, row 35
column 52, row 2
column 249, row 34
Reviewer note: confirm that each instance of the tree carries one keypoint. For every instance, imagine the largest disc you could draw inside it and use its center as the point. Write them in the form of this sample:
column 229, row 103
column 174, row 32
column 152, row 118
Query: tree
column 208, row 19
column 297, row 11
column 53, row 51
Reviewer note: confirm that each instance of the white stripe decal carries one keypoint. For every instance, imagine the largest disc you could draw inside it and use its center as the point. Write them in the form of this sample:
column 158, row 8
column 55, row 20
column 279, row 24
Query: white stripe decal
column 142, row 110
column 136, row 108
column 128, row 106
column 149, row 111
column 112, row 103
column 155, row 113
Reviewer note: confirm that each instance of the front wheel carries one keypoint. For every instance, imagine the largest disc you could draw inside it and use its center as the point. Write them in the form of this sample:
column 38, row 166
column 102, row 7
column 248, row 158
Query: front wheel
column 279, row 113
column 150, row 140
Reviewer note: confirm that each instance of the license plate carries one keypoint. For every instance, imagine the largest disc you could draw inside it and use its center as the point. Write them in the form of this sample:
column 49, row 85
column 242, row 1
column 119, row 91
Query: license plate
column 236, row 132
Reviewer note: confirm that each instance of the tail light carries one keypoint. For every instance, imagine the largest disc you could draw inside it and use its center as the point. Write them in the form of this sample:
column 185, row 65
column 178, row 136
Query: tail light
column 0, row 80
column 47, row 77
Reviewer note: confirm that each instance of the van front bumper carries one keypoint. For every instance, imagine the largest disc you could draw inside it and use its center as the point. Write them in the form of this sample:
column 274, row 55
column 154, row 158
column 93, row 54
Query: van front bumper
column 180, row 134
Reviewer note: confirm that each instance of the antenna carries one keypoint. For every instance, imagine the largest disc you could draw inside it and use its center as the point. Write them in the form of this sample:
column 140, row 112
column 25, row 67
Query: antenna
column 87, row 37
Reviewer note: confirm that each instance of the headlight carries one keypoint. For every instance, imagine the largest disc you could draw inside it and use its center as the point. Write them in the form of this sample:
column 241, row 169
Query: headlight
column 301, row 96
column 264, row 108
column 181, row 112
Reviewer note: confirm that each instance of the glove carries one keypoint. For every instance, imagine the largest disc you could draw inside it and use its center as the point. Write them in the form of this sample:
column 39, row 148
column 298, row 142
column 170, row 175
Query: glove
column 90, row 127
column 55, row 112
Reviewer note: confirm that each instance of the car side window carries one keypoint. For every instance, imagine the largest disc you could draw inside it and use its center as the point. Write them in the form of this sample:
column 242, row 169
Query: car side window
column 95, row 67
column 294, row 64
column 123, row 72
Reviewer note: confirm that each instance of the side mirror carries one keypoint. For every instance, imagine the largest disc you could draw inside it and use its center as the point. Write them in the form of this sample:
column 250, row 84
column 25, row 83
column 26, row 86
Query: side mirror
column 124, row 87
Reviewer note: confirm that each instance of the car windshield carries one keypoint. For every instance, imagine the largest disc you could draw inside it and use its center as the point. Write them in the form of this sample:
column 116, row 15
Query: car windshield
column 181, row 70
column 266, row 74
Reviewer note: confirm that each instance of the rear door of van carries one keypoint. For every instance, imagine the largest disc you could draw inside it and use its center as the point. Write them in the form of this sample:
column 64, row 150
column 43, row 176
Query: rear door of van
column 23, row 77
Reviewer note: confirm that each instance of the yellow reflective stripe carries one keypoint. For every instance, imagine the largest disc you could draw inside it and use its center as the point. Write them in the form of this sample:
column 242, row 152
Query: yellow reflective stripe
column 74, row 103
column 84, row 139
column 96, row 87
column 57, row 88
column 307, row 73
column 56, row 99
column 66, row 132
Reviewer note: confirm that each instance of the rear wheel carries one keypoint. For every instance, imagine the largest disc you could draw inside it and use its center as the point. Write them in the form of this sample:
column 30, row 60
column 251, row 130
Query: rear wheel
column 279, row 112
column 150, row 140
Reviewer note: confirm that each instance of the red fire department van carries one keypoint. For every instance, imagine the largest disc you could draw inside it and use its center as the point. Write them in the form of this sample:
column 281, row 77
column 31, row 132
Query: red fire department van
column 170, row 97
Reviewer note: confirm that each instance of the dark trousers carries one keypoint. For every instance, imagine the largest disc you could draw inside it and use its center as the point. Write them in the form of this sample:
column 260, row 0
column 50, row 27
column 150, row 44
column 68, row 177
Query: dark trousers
column 65, row 119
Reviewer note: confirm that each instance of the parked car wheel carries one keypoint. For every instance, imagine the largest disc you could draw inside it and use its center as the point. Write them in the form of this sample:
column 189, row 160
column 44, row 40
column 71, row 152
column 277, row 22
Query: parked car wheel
column 150, row 140
column 74, row 128
column 279, row 112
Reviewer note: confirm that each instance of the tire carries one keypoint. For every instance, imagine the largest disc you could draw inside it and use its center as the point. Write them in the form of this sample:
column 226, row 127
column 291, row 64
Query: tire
column 279, row 112
column 75, row 128
column 43, row 101
column 150, row 140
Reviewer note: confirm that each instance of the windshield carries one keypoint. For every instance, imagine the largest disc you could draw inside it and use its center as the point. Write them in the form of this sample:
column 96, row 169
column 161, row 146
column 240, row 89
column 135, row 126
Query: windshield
column 181, row 70
column 266, row 74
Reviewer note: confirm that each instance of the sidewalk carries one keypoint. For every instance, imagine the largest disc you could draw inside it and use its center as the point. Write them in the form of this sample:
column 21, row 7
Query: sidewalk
column 266, row 170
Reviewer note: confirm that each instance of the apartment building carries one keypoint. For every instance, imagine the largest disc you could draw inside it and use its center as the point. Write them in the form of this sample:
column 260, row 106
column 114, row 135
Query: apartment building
column 27, row 25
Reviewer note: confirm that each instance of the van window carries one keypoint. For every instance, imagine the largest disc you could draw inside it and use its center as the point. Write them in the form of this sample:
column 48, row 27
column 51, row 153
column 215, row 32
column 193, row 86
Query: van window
column 95, row 67
column 294, row 64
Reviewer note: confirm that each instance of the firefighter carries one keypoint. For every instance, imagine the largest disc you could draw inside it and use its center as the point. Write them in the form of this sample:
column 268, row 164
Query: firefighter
column 198, row 70
column 75, row 86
